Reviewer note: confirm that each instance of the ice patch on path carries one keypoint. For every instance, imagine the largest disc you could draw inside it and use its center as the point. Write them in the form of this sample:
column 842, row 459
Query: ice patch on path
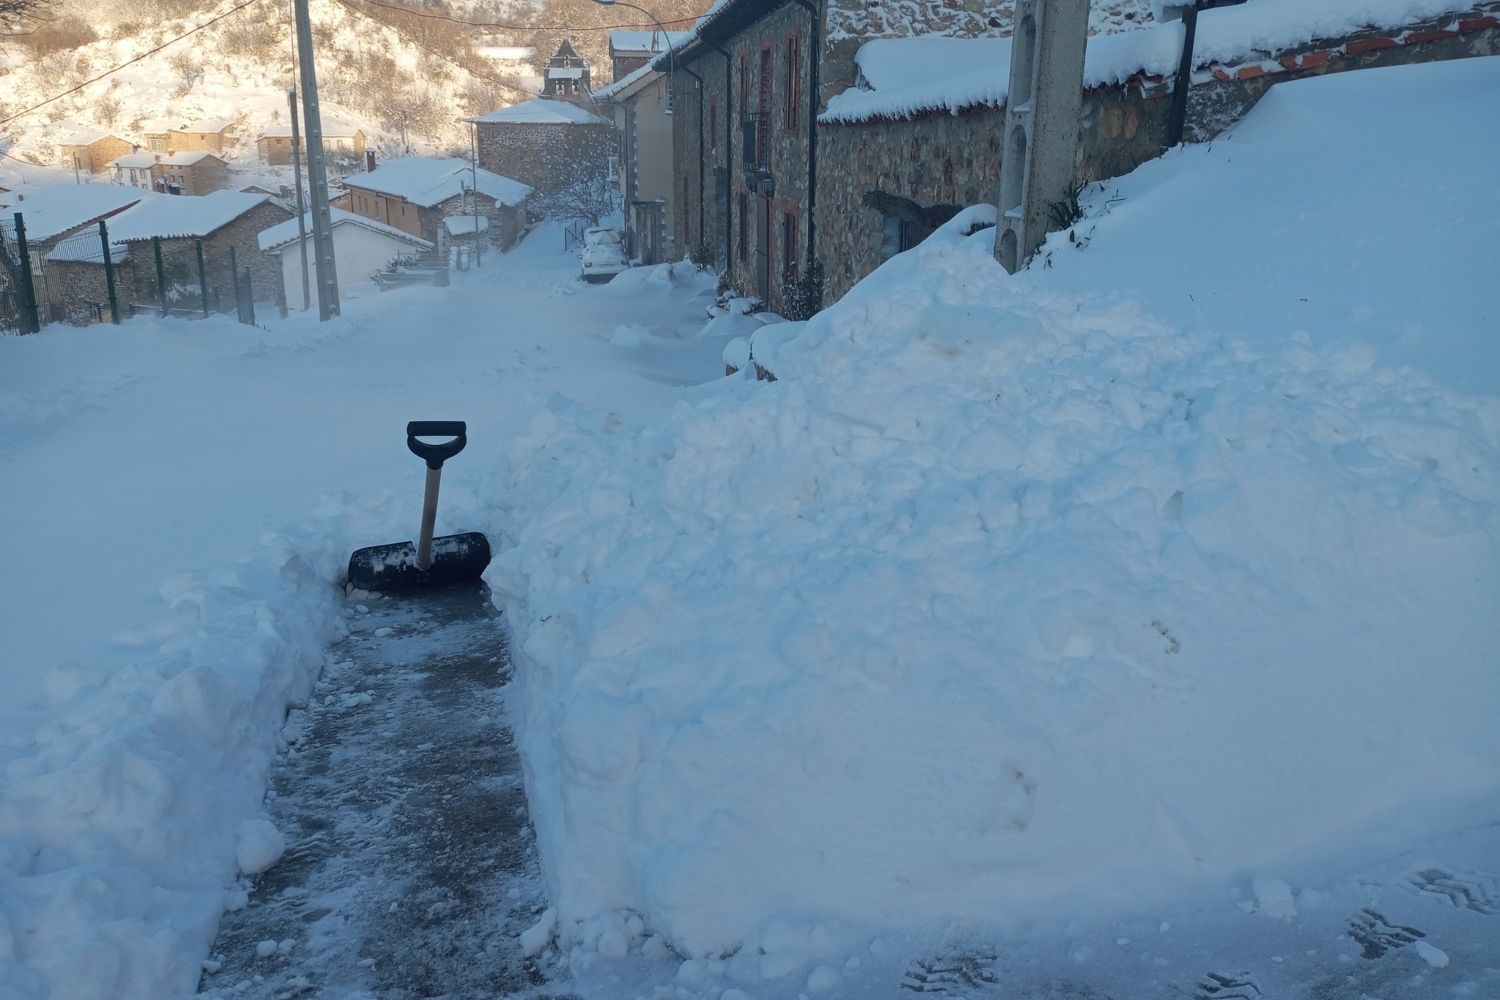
column 996, row 600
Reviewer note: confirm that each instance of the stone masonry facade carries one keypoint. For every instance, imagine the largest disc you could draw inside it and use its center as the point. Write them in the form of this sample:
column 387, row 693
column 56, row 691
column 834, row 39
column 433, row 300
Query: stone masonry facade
column 79, row 287
column 887, row 182
column 548, row 157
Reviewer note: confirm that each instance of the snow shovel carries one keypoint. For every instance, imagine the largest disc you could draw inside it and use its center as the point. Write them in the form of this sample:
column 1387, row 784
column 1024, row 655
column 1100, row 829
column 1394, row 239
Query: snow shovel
column 431, row 562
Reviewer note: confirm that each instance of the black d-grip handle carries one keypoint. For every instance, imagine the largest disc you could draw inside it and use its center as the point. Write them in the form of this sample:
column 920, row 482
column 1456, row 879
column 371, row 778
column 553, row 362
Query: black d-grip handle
column 436, row 454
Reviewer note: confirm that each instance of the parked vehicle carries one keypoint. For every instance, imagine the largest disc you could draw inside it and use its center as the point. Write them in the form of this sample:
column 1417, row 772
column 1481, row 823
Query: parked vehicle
column 603, row 254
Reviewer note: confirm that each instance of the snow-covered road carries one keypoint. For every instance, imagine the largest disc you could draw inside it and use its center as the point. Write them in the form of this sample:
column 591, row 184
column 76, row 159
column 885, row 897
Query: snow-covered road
column 178, row 496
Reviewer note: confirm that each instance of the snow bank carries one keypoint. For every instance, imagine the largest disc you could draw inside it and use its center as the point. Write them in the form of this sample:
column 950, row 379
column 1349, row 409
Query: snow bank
column 911, row 76
column 1002, row 600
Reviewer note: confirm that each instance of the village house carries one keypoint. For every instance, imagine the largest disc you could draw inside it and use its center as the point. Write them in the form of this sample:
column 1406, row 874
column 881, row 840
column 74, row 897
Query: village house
column 641, row 102
column 78, row 284
column 819, row 146
column 90, row 152
column 224, row 227
column 64, row 215
column 414, row 194
column 630, row 50
column 134, row 169
column 361, row 249
column 549, row 145
column 341, row 141
column 209, row 135
column 190, row 173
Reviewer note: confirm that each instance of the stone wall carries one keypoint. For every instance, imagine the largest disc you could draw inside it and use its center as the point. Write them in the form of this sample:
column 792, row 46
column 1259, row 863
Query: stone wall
column 505, row 222
column 546, row 157
column 75, row 286
column 926, row 167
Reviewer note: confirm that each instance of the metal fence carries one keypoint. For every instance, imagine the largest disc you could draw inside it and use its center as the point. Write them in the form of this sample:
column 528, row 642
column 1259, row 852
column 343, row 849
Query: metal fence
column 85, row 278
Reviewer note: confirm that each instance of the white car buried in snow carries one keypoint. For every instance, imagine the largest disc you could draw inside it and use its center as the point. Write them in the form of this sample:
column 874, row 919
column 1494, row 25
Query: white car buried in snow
column 603, row 254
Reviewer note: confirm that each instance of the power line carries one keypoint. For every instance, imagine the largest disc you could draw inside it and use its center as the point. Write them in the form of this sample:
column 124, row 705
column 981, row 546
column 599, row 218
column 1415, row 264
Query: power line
column 524, row 27
column 129, row 62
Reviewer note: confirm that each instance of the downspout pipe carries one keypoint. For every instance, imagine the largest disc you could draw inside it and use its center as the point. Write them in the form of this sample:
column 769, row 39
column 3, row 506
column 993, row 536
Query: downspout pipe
column 702, row 153
column 814, row 100
column 728, row 156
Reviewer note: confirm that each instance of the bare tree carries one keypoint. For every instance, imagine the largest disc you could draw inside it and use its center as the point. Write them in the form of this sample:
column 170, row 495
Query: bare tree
column 21, row 15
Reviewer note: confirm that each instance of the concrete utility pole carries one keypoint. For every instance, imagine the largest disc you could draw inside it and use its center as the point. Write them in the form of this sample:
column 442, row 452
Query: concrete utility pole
column 291, row 100
column 1041, row 122
column 317, row 172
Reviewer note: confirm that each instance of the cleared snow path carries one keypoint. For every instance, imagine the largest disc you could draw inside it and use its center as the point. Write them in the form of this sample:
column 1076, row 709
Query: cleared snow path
column 410, row 868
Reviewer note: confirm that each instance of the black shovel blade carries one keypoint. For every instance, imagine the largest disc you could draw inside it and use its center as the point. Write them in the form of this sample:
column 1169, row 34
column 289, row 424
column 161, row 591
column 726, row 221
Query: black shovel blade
column 393, row 568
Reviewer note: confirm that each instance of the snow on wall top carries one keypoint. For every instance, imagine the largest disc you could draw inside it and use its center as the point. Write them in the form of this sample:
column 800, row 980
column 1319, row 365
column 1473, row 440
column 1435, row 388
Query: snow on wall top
column 331, row 130
column 425, row 182
column 541, row 111
column 177, row 216
column 285, row 233
column 51, row 211
column 466, row 225
column 629, row 42
column 910, row 76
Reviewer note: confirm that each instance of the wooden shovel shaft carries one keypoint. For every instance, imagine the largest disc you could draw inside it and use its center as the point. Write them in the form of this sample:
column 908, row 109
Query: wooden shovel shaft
column 429, row 519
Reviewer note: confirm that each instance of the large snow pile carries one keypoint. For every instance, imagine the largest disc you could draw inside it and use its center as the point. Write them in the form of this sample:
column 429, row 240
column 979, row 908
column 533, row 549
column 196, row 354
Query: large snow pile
column 1004, row 596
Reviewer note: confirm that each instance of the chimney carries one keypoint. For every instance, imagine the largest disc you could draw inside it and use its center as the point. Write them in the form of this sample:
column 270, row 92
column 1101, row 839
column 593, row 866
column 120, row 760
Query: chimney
column 369, row 160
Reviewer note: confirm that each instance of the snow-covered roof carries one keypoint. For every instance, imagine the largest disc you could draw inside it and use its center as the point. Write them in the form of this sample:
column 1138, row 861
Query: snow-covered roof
column 627, row 84
column 206, row 126
column 541, row 111
column 643, row 42
column 134, row 161
column 188, row 159
column 331, row 130
column 53, row 210
column 425, row 181
column 466, row 225
column 911, row 76
column 285, row 233
column 87, row 252
column 84, row 137
column 183, row 215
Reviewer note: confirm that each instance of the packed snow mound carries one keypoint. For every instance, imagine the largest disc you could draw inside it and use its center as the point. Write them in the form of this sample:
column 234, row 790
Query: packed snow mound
column 997, row 597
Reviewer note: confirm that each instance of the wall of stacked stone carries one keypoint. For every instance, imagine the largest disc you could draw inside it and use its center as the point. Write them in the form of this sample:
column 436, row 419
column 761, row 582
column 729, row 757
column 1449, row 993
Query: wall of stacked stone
column 243, row 235
column 505, row 222
column 77, row 285
column 943, row 161
column 546, row 157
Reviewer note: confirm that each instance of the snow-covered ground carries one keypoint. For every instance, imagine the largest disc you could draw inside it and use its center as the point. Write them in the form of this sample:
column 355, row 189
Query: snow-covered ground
column 181, row 497
column 1042, row 635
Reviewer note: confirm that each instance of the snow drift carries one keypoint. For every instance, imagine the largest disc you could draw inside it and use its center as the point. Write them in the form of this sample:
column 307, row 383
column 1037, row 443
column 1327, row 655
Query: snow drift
column 1001, row 597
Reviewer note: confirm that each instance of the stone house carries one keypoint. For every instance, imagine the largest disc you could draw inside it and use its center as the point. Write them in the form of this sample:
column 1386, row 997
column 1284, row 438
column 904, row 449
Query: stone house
column 361, row 248
column 566, row 75
column 340, row 141
column 209, row 135
column 809, row 148
column 546, row 144
column 65, row 216
column 190, row 173
column 134, row 169
column 630, row 50
column 91, row 151
column 216, row 223
column 641, row 103
column 78, row 285
column 414, row 194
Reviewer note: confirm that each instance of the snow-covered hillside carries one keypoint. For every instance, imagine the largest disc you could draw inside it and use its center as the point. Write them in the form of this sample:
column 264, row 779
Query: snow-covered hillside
column 239, row 69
